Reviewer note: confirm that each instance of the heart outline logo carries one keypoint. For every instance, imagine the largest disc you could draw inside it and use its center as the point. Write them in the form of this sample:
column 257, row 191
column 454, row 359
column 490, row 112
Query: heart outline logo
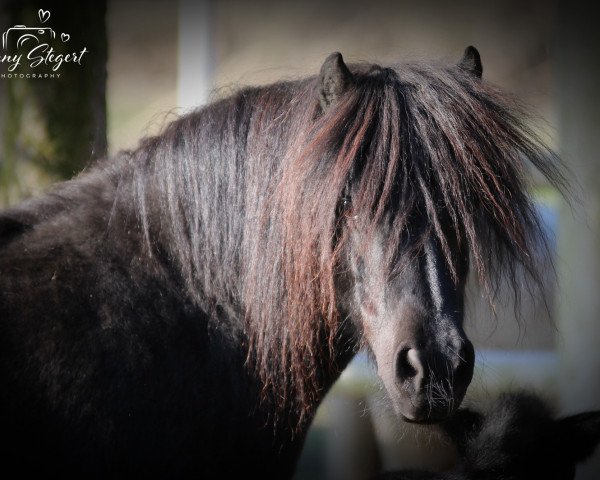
column 65, row 37
column 44, row 15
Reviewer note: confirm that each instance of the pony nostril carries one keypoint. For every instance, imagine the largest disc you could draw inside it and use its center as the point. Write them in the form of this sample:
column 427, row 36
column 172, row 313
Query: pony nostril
column 408, row 364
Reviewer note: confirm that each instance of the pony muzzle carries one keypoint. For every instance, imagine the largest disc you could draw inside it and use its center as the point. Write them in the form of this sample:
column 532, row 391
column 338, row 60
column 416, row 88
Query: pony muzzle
column 430, row 384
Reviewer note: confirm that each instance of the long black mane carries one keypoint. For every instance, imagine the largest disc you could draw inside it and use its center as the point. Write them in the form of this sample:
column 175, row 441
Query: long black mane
column 243, row 194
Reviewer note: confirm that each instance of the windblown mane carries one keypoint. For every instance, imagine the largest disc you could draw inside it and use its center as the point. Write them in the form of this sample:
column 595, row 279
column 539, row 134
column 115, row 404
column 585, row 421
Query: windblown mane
column 244, row 194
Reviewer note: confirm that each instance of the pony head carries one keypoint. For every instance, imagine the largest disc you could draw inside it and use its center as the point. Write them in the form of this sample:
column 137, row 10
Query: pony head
column 407, row 261
column 393, row 184
column 408, row 304
column 521, row 438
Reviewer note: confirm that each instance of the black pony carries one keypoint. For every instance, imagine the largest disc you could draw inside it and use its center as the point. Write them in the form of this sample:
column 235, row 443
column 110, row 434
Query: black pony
column 183, row 308
column 519, row 438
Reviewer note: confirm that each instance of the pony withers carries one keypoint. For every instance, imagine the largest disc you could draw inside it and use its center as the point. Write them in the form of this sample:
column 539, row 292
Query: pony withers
column 182, row 309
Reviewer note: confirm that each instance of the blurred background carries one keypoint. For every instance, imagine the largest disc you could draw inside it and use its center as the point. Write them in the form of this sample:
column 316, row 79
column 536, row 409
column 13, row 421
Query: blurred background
column 150, row 61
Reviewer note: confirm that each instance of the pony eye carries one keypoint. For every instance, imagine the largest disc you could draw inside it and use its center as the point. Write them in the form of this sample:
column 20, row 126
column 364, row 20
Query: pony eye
column 346, row 205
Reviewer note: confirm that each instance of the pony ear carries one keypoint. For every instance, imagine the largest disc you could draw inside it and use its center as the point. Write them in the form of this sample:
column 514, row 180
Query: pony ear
column 471, row 61
column 464, row 425
column 579, row 434
column 334, row 79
